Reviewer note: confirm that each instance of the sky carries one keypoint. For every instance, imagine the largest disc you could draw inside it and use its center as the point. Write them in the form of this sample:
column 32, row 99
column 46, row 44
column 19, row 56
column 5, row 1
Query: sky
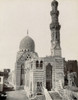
column 18, row 16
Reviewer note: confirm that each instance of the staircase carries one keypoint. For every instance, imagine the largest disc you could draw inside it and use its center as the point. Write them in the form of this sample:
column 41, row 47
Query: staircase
column 46, row 93
column 52, row 95
column 55, row 95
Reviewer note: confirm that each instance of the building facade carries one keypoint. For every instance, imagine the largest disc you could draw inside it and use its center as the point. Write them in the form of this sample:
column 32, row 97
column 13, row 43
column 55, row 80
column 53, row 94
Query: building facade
column 54, row 62
column 34, row 73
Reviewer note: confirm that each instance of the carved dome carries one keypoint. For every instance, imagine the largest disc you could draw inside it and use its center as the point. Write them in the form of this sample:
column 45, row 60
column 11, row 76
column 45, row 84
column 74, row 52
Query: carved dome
column 27, row 44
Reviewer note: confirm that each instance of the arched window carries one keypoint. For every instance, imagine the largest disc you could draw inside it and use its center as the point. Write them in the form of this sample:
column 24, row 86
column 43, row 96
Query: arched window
column 37, row 64
column 41, row 64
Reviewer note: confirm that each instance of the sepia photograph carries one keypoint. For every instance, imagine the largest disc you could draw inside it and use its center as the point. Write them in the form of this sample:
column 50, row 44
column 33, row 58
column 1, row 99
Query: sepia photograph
column 38, row 50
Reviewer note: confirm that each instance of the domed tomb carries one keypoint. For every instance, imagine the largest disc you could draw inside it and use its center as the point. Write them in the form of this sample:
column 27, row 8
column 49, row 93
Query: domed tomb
column 27, row 44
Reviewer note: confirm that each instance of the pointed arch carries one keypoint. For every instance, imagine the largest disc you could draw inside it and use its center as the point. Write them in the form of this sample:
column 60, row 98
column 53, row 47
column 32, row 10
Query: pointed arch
column 41, row 64
column 22, row 75
column 49, row 77
column 37, row 64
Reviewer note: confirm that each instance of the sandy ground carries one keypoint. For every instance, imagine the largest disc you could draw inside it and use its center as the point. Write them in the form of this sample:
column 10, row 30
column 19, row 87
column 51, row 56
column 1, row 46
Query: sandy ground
column 17, row 95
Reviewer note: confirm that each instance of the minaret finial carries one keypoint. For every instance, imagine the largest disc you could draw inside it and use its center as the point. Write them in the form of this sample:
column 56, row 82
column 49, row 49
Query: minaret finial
column 27, row 32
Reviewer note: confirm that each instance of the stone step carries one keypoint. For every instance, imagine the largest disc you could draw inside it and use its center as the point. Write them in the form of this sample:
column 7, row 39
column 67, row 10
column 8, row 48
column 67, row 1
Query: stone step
column 39, row 97
column 55, row 96
column 46, row 93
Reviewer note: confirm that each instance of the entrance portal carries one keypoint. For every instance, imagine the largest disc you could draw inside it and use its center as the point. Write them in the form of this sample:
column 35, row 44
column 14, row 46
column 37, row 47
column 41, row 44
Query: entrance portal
column 49, row 77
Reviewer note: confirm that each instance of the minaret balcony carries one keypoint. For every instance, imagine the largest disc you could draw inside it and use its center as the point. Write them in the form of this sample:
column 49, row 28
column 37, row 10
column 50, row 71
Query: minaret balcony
column 55, row 26
column 56, row 12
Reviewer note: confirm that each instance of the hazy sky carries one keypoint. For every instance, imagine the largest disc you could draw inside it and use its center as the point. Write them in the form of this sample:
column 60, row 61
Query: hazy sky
column 16, row 16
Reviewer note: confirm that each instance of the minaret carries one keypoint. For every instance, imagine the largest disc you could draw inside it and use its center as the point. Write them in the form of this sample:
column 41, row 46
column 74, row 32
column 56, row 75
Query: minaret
column 55, row 30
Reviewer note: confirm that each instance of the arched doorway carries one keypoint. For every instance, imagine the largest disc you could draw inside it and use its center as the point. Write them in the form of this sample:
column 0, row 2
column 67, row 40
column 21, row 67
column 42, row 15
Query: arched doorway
column 49, row 77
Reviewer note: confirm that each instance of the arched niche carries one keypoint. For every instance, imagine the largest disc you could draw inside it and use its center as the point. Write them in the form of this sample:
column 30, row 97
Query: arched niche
column 22, row 75
column 49, row 77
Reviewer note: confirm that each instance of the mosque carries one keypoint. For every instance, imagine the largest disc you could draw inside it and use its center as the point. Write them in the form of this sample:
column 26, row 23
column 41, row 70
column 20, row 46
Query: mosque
column 34, row 73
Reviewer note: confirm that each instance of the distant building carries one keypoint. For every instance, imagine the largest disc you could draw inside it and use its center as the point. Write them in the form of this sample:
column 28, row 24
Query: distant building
column 11, row 78
column 4, row 78
column 1, row 81
column 6, row 73
column 70, row 67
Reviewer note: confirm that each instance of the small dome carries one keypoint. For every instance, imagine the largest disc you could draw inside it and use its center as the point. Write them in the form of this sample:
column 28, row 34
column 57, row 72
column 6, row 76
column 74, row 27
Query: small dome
column 27, row 44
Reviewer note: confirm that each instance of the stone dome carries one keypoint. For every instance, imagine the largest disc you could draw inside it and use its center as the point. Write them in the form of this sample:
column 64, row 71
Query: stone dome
column 27, row 44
